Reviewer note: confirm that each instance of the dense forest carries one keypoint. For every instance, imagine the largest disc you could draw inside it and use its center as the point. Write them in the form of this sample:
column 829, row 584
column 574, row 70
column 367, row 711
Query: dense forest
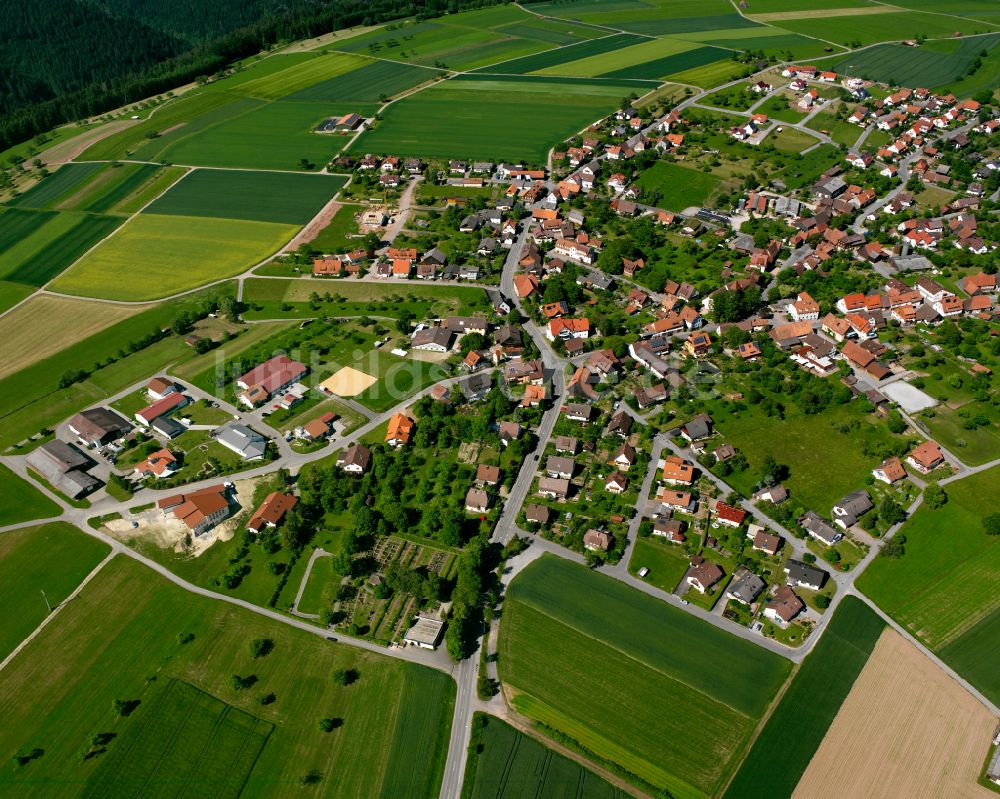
column 62, row 60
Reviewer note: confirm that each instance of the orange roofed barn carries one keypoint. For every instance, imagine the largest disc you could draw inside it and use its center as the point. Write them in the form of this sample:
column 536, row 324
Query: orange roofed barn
column 199, row 510
column 400, row 430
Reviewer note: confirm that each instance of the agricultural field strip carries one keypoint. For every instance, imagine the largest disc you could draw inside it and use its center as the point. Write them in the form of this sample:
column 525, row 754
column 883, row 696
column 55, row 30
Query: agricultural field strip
column 632, row 656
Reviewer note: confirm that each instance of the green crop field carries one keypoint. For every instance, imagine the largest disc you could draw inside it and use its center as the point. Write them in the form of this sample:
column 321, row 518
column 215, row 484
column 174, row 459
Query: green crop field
column 707, row 75
column 975, row 654
column 889, row 27
column 652, row 17
column 282, row 197
column 288, row 74
column 672, row 64
column 496, row 118
column 648, row 50
column 22, row 502
column 35, row 246
column 367, row 84
column 655, row 676
column 679, row 186
column 550, row 59
column 934, row 64
column 124, row 638
column 274, row 135
column 60, row 184
column 12, row 293
column 507, row 764
column 176, row 114
column 155, row 255
column 780, row 6
column 798, row 724
column 185, row 739
column 551, row 31
column 945, row 582
column 53, row 558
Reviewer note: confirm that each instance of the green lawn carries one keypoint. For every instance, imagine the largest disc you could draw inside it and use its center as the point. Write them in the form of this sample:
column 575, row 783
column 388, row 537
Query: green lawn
column 123, row 639
column 155, row 256
column 840, row 130
column 53, row 558
column 945, row 582
column 667, row 563
column 483, row 116
column 679, row 187
column 888, row 27
column 12, row 293
column 655, row 676
column 798, row 724
column 506, row 762
column 22, row 502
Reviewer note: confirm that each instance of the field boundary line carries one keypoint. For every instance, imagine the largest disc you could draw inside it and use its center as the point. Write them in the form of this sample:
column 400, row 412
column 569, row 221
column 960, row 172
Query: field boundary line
column 635, row 659
column 56, row 610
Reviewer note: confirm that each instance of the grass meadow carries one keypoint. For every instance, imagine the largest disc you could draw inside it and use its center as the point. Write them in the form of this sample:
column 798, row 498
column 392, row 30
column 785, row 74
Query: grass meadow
column 268, row 298
column 485, row 117
column 368, row 83
column 888, row 27
column 131, row 633
column 155, row 255
column 12, row 293
column 798, row 724
column 53, row 558
column 667, row 563
column 22, row 502
column 507, row 763
column 282, row 197
column 655, row 676
column 560, row 61
column 945, row 582
column 679, row 186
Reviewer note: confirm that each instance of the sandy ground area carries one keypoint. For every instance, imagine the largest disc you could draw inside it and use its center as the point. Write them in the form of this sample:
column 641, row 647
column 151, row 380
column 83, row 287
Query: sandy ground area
column 348, row 382
column 906, row 729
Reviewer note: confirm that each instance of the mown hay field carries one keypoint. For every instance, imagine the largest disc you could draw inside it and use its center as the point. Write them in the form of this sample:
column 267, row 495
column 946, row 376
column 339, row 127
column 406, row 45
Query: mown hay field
column 797, row 726
column 905, row 729
column 629, row 678
column 38, row 328
column 282, row 197
column 130, row 632
column 154, row 256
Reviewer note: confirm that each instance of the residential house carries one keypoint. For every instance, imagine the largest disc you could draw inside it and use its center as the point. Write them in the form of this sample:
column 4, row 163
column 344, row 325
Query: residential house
column 783, row 607
column 355, row 459
column 819, row 529
column 162, row 407
column 745, row 586
column 926, row 457
column 272, row 511
column 851, row 508
column 703, row 574
column 476, row 501
column 269, row 378
column 400, row 430
column 890, row 471
column 803, row 575
column 553, row 487
column 161, row 463
column 597, row 540
column 248, row 444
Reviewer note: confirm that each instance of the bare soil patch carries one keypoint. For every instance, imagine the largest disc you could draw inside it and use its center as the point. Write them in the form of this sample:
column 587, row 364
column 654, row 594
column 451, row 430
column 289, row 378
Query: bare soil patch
column 348, row 382
column 311, row 231
column 906, row 729
column 822, row 13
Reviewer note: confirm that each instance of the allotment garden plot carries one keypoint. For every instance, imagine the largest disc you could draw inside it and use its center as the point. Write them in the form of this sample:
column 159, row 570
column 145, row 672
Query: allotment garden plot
column 655, row 676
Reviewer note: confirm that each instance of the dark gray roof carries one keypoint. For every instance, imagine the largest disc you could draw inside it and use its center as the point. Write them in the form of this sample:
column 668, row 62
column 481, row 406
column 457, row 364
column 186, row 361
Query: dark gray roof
column 745, row 586
column 799, row 572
